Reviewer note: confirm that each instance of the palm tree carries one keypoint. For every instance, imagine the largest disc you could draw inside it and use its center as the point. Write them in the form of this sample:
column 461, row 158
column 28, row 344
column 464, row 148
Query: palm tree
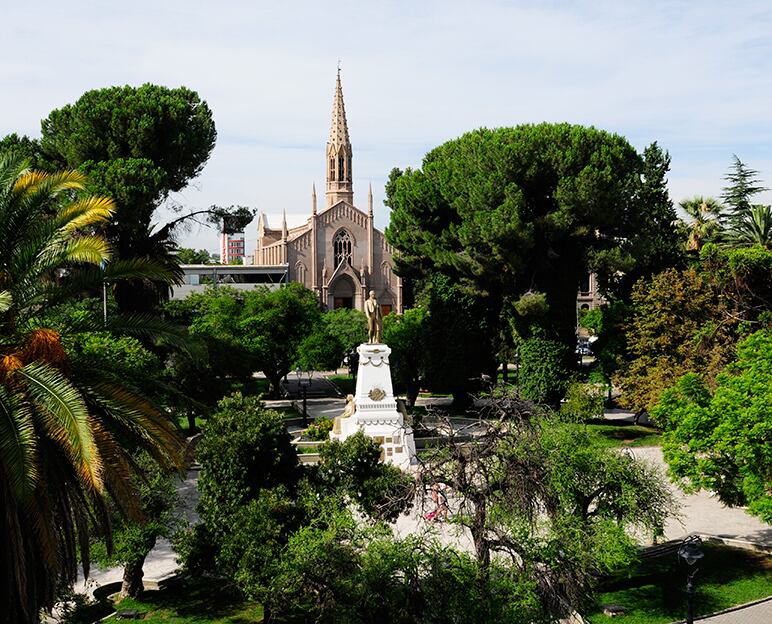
column 64, row 432
column 754, row 228
column 703, row 224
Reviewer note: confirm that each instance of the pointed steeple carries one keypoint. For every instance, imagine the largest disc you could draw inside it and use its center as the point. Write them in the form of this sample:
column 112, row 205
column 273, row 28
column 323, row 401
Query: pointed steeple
column 370, row 200
column 339, row 152
column 284, row 225
column 339, row 127
column 313, row 198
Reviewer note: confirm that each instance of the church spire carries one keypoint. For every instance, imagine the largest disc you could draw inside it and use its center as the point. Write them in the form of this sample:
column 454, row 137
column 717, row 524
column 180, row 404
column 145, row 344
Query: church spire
column 339, row 175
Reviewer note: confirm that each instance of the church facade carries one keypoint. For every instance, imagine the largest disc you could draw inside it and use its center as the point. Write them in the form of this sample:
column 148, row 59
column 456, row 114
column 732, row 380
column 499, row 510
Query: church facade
column 337, row 253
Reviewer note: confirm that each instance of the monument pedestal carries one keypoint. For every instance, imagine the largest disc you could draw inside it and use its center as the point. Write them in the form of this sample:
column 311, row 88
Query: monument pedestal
column 376, row 413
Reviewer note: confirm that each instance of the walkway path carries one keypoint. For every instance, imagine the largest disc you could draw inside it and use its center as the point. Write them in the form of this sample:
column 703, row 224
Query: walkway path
column 758, row 613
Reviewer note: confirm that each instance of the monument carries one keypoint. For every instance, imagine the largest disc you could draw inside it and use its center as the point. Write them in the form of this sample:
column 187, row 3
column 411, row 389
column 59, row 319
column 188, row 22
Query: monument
column 373, row 409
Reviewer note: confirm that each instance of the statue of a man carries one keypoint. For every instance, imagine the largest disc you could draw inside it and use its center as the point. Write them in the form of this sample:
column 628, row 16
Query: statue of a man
column 374, row 319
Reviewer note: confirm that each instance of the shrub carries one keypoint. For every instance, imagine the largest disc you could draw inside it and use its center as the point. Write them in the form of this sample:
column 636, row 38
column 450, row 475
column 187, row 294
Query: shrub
column 582, row 403
column 543, row 373
column 320, row 430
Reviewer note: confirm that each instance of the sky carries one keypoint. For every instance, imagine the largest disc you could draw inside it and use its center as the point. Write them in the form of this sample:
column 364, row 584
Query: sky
column 694, row 76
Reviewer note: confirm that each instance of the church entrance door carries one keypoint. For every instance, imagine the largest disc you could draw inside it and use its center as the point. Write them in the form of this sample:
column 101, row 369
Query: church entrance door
column 342, row 293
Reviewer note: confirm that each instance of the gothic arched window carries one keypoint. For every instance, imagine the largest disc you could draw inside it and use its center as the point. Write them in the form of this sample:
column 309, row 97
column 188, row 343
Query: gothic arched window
column 341, row 171
column 386, row 274
column 300, row 272
column 341, row 247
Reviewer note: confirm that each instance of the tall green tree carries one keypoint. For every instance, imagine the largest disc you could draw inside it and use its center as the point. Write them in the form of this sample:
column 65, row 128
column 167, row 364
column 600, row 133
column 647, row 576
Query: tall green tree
column 336, row 335
column 458, row 340
column 137, row 145
column 720, row 438
column 530, row 209
column 249, row 483
column 274, row 324
column 66, row 427
column 247, row 331
column 24, row 148
column 742, row 185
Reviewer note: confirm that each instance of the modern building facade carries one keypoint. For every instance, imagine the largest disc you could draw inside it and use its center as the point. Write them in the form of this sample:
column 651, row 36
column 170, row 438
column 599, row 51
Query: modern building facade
column 232, row 247
column 338, row 253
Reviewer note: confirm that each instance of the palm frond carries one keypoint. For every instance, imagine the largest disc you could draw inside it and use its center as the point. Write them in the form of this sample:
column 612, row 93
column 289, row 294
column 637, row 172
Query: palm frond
column 50, row 184
column 86, row 249
column 12, row 166
column 153, row 328
column 754, row 228
column 18, row 445
column 28, row 181
column 140, row 417
column 89, row 211
column 143, row 268
column 117, row 473
column 65, row 418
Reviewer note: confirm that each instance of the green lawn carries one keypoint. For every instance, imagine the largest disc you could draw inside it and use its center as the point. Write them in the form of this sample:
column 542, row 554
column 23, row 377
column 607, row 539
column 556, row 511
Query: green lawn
column 627, row 435
column 654, row 593
column 195, row 601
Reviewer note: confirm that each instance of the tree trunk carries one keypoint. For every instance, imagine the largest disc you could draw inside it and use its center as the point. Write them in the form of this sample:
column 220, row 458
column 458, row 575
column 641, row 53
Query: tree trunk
column 478, row 535
column 191, row 423
column 505, row 372
column 412, row 393
column 132, row 586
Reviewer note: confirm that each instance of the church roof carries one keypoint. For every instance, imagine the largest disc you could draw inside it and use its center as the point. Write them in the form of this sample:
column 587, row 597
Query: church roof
column 339, row 127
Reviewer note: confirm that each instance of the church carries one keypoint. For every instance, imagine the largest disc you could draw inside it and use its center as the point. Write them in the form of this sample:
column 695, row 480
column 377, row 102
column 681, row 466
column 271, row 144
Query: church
column 337, row 253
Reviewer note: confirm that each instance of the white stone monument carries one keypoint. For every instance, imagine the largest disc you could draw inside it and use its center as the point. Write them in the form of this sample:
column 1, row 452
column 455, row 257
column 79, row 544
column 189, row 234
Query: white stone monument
column 375, row 409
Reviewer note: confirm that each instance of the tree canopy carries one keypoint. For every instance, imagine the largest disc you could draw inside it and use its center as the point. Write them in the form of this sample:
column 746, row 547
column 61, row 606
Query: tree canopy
column 136, row 145
column 690, row 320
column 513, row 211
column 721, row 439
column 186, row 255
column 168, row 134
column 245, row 331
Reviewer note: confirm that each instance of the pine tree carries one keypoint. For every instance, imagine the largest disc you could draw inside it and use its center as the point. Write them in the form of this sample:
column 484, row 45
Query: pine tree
column 743, row 184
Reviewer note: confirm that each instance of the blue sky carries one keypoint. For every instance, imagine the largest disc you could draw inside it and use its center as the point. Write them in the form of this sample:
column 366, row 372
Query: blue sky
column 694, row 76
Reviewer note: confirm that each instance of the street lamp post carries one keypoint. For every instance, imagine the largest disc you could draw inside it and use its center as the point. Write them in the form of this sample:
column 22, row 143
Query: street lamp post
column 304, row 380
column 691, row 553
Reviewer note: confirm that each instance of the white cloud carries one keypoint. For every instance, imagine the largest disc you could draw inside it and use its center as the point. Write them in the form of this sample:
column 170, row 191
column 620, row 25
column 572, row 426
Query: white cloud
column 696, row 77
